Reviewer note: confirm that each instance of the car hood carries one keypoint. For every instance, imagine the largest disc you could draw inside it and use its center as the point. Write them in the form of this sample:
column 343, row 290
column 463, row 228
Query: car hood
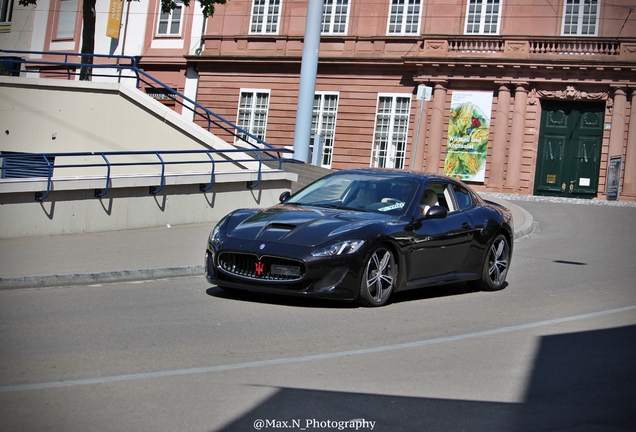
column 307, row 226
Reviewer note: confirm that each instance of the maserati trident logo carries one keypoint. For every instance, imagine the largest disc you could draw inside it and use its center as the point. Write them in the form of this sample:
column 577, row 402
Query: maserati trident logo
column 259, row 268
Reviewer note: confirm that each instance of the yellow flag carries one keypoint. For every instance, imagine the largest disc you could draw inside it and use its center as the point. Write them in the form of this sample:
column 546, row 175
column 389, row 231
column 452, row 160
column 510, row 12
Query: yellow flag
column 114, row 18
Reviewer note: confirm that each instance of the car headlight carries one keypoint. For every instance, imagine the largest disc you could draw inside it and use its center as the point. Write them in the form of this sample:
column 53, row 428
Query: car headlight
column 215, row 235
column 342, row 248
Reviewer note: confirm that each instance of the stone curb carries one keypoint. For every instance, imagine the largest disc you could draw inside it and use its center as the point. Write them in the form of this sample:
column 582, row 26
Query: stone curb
column 47, row 281
column 527, row 227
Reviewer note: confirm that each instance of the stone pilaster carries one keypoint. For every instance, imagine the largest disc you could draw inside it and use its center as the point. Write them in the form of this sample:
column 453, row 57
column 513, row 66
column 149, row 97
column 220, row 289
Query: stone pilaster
column 434, row 147
column 500, row 137
column 517, row 134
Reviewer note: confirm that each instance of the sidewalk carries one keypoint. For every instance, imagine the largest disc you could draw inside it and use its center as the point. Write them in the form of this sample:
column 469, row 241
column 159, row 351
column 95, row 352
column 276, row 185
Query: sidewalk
column 118, row 256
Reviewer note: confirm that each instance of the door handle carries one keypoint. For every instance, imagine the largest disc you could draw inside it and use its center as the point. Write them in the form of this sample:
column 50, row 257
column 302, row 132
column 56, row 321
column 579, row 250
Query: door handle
column 572, row 186
column 466, row 226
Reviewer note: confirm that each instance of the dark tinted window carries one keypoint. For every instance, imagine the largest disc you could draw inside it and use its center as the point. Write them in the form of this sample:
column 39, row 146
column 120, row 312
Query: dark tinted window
column 463, row 197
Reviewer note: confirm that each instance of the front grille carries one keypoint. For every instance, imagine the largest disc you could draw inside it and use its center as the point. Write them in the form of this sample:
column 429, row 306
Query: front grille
column 266, row 268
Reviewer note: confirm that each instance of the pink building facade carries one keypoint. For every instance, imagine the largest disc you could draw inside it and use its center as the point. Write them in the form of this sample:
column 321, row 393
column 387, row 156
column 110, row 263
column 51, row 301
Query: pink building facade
column 527, row 97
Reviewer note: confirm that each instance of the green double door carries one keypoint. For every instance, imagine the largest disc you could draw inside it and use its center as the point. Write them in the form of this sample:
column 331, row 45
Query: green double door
column 569, row 158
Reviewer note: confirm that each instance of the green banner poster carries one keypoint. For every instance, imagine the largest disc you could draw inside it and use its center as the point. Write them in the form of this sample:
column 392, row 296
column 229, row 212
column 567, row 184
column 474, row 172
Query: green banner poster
column 468, row 129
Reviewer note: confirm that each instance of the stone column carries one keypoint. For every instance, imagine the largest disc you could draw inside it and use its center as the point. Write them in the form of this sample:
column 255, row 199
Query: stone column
column 517, row 133
column 500, row 137
column 617, row 134
column 434, row 147
column 629, row 165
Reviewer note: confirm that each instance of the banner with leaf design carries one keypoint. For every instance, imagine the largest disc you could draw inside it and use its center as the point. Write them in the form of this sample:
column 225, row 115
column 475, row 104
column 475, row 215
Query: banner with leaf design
column 468, row 129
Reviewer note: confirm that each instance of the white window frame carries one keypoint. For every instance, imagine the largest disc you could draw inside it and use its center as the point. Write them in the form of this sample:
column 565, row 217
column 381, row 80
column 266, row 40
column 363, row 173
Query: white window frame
column 251, row 117
column 175, row 16
column 390, row 133
column 6, row 10
column 575, row 13
column 66, row 23
column 269, row 12
column 333, row 10
column 323, row 122
column 484, row 15
column 401, row 15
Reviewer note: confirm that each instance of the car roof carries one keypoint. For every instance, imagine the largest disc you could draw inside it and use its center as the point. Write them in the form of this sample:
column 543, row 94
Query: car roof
column 397, row 173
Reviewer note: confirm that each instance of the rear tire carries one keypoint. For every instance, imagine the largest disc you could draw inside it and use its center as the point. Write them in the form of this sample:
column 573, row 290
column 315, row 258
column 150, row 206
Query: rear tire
column 377, row 278
column 495, row 269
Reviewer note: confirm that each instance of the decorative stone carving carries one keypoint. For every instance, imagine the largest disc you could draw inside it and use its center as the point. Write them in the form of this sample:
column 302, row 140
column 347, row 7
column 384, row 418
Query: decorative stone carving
column 570, row 93
column 628, row 49
column 609, row 106
column 436, row 46
column 516, row 47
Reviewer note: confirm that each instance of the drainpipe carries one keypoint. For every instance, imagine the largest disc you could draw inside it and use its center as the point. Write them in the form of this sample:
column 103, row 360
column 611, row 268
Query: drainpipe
column 308, row 72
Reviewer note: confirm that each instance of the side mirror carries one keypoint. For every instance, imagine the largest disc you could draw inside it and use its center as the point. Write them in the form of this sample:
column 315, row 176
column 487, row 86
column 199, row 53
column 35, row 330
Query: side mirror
column 284, row 196
column 436, row 212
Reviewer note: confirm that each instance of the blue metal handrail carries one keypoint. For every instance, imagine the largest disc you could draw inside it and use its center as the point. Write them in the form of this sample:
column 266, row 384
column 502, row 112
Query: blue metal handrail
column 160, row 154
column 199, row 111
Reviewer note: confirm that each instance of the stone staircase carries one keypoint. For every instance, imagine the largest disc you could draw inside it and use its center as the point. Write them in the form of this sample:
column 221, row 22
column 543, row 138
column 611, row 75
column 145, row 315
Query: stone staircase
column 307, row 173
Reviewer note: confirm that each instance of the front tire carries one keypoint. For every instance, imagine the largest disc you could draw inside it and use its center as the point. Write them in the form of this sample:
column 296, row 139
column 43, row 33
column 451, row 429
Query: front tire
column 493, row 274
column 377, row 278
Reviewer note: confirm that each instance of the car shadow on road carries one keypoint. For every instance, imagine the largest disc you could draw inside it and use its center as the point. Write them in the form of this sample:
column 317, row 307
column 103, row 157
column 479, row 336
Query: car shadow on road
column 583, row 381
column 436, row 291
column 448, row 290
column 276, row 299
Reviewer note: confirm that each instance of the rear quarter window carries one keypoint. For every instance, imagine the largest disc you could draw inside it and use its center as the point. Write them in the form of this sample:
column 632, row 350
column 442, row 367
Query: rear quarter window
column 463, row 197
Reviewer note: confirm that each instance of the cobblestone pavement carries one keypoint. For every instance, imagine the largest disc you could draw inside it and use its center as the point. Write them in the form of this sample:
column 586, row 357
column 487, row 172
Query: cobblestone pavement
column 517, row 197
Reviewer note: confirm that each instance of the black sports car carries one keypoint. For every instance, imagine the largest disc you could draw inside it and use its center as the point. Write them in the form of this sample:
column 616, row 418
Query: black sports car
column 361, row 235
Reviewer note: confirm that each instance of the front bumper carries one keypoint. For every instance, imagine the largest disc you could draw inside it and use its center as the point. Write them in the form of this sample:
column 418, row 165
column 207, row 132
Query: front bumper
column 325, row 277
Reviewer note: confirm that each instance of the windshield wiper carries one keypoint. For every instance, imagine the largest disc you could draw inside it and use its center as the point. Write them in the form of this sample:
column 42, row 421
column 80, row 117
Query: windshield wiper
column 333, row 206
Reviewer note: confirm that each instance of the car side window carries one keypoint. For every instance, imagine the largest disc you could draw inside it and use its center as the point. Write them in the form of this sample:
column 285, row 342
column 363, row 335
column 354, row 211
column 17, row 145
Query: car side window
column 437, row 194
column 463, row 197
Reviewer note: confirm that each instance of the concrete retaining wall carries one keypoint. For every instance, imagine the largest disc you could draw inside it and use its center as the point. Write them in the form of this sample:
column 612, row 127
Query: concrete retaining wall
column 79, row 211
column 56, row 116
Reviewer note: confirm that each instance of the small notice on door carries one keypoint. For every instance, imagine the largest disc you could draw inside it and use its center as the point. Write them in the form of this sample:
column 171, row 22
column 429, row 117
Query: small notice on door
column 584, row 181
column 550, row 179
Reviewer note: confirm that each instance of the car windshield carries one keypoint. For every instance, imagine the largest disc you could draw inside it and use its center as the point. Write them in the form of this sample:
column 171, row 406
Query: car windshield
column 361, row 192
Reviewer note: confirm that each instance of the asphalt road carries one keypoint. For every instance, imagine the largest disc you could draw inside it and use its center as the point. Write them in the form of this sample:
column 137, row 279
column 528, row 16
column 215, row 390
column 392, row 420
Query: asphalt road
column 553, row 351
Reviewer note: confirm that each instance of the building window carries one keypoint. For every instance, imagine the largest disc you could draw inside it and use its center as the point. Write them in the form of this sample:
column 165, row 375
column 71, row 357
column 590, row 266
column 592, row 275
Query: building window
column 580, row 17
column 335, row 16
column 482, row 17
column 163, row 95
column 66, row 19
column 404, row 17
column 252, row 114
column 5, row 11
column 170, row 23
column 265, row 16
column 323, row 122
column 391, row 130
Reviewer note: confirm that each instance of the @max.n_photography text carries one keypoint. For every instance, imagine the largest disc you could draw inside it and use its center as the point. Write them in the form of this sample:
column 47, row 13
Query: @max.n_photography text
column 308, row 424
